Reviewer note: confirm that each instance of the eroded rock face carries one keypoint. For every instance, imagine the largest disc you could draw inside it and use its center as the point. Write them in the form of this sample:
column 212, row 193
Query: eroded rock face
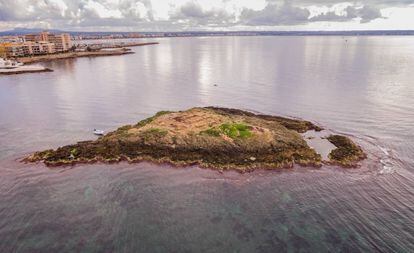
column 216, row 138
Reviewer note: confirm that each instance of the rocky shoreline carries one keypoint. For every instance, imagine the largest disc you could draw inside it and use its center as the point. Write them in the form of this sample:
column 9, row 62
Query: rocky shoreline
column 210, row 137
column 128, row 45
column 24, row 70
column 51, row 57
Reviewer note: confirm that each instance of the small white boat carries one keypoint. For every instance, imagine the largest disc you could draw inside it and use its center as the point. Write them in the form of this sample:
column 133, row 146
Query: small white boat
column 98, row 132
column 9, row 64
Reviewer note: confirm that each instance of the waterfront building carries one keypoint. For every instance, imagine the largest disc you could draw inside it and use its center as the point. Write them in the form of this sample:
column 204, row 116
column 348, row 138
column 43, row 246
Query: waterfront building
column 38, row 48
column 48, row 47
column 36, row 44
column 62, row 42
column 11, row 50
column 4, row 39
column 3, row 49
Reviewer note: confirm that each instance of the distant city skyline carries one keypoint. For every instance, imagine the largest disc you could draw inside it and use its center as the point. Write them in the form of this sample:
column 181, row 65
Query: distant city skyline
column 211, row 15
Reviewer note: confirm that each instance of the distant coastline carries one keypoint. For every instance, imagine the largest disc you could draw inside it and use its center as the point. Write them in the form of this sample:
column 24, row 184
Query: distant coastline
column 126, row 35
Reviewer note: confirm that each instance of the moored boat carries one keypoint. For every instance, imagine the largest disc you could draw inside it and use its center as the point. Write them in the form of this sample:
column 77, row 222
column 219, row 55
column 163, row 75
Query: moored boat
column 9, row 64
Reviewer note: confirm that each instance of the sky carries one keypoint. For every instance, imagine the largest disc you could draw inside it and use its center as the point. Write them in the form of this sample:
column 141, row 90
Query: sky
column 207, row 15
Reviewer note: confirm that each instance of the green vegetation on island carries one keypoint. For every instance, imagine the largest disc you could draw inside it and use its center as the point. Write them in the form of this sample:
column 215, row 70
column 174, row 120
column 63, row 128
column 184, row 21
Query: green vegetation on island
column 217, row 138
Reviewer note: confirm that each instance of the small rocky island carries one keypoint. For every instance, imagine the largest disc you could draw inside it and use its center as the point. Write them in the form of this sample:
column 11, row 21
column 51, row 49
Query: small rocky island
column 217, row 138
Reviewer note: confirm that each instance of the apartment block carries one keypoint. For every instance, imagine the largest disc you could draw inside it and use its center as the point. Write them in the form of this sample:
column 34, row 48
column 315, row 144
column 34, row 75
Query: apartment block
column 63, row 42
column 10, row 50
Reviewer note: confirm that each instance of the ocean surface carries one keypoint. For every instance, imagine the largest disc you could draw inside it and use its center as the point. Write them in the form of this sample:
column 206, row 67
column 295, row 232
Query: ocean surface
column 359, row 86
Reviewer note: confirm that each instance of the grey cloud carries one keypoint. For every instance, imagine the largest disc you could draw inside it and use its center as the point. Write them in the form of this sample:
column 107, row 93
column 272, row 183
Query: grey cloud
column 41, row 9
column 194, row 10
column 273, row 14
column 75, row 12
column 366, row 13
column 193, row 14
column 128, row 8
column 190, row 15
column 108, row 22
column 377, row 3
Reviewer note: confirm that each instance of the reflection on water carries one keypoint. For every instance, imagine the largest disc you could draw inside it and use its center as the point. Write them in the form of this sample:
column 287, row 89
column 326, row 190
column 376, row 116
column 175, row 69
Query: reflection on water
column 361, row 87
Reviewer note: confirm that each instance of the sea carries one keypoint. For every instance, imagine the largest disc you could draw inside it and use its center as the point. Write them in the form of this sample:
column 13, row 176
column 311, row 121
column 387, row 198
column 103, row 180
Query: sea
column 361, row 87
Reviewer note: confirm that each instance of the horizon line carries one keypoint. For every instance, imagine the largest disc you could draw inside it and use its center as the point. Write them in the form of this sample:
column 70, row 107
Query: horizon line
column 212, row 31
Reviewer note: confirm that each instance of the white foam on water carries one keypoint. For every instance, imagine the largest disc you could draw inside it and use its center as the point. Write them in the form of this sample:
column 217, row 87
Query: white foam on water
column 385, row 150
column 386, row 170
column 387, row 166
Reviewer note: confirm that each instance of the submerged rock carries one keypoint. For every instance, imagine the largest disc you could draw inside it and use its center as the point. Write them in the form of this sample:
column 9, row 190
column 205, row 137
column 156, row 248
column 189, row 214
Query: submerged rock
column 216, row 138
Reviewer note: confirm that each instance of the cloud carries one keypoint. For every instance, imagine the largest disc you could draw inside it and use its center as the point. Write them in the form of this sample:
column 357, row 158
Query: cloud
column 365, row 14
column 368, row 13
column 378, row 3
column 273, row 14
column 193, row 14
column 31, row 10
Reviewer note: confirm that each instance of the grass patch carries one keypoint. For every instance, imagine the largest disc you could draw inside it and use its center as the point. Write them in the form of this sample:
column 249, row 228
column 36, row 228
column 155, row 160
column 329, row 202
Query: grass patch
column 236, row 130
column 232, row 130
column 74, row 152
column 151, row 119
column 211, row 132
column 160, row 113
column 124, row 128
column 153, row 134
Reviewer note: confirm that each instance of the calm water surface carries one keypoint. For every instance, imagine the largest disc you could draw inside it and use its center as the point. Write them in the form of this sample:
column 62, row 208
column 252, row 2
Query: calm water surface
column 361, row 86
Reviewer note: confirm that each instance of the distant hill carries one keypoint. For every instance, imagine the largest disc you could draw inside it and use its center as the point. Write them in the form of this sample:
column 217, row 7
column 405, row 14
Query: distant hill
column 22, row 31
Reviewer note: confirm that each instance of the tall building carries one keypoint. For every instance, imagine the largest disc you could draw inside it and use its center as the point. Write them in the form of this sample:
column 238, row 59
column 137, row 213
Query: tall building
column 44, row 36
column 31, row 38
column 63, row 42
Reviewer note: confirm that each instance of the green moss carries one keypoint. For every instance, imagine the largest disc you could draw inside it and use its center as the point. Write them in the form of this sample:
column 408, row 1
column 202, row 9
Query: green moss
column 346, row 152
column 124, row 128
column 236, row 130
column 151, row 119
column 74, row 152
column 232, row 130
column 211, row 132
column 42, row 155
column 153, row 134
column 297, row 125
column 144, row 122
column 160, row 113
